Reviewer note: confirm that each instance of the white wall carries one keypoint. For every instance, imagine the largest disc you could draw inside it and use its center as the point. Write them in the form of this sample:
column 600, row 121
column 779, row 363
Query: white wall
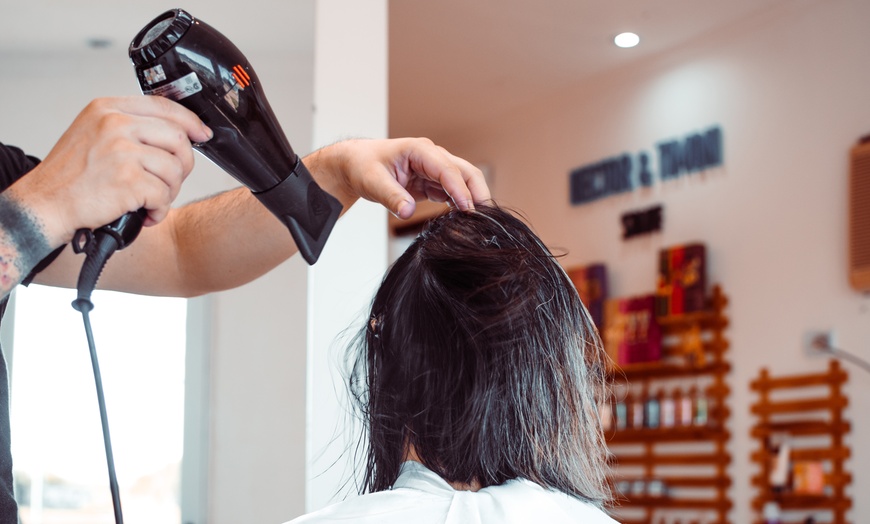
column 790, row 91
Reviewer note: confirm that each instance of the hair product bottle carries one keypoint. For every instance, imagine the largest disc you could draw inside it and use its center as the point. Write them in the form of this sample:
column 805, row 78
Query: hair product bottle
column 669, row 409
column 653, row 410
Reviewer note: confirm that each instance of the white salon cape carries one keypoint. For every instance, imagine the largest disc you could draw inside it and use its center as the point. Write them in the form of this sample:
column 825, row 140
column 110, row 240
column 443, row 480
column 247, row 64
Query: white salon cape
column 419, row 496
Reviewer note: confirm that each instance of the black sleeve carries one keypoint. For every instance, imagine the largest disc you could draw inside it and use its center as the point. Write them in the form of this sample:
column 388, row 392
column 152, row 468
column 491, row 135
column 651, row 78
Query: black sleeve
column 14, row 164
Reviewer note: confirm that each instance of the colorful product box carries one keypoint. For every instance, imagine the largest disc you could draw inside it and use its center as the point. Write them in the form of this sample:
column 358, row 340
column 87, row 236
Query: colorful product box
column 591, row 284
column 632, row 334
column 808, row 478
column 682, row 280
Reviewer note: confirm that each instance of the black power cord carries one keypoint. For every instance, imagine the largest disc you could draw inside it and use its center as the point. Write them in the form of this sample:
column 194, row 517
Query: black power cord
column 85, row 308
column 99, row 246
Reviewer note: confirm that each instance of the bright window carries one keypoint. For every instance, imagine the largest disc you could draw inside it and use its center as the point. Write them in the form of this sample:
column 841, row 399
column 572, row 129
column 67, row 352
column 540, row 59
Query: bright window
column 57, row 444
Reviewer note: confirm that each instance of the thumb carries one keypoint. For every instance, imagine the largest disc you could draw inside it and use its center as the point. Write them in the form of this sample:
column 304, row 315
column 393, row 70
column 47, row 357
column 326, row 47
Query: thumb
column 401, row 204
column 388, row 192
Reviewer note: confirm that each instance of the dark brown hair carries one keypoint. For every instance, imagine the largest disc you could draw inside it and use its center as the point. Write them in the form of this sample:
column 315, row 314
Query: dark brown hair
column 480, row 355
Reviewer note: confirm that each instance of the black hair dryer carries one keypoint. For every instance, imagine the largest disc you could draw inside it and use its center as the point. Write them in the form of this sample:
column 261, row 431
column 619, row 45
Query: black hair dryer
column 182, row 58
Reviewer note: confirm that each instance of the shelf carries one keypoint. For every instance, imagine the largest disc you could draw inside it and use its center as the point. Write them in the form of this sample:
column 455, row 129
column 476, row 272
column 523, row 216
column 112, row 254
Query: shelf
column 696, row 482
column 680, row 459
column 800, row 406
column 800, row 381
column 831, row 479
column 799, row 428
column 659, row 370
column 690, row 461
column 673, row 434
column 814, row 454
column 815, row 430
column 706, row 319
column 676, row 503
column 804, row 502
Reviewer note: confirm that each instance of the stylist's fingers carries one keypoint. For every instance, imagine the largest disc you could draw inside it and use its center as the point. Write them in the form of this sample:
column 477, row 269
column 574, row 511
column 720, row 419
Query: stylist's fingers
column 165, row 109
column 166, row 129
column 434, row 192
column 394, row 191
column 167, row 169
column 473, row 178
column 431, row 162
column 398, row 173
column 157, row 135
column 434, row 163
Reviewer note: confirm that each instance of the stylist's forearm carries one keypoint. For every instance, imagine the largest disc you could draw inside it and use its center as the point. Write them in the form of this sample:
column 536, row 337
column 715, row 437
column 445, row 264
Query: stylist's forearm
column 23, row 242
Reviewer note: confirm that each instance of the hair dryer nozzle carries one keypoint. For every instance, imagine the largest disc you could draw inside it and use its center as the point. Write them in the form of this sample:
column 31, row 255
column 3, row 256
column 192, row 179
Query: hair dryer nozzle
column 186, row 60
column 307, row 211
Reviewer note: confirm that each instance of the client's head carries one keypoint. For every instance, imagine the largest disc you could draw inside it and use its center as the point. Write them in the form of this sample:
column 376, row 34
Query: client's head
column 480, row 358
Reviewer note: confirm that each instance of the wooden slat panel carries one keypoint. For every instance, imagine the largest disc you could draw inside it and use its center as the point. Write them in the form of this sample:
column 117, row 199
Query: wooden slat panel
column 675, row 459
column 813, row 417
column 680, row 503
column 831, row 479
column 799, row 381
column 625, row 521
column 800, row 406
column 695, row 482
column 806, row 454
column 706, row 319
column 673, row 434
column 659, row 370
column 819, row 520
column 803, row 502
column 800, row 427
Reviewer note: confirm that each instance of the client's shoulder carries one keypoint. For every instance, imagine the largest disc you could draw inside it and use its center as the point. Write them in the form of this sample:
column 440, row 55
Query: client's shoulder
column 385, row 507
column 521, row 500
column 514, row 502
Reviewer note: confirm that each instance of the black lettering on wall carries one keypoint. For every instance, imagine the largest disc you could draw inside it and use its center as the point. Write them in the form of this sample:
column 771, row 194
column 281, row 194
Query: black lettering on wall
column 641, row 222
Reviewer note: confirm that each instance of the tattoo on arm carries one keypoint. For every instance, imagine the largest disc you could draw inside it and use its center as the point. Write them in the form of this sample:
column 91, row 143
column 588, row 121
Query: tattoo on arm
column 22, row 243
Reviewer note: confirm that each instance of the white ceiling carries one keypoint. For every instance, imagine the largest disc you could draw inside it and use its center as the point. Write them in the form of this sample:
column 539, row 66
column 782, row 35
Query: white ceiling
column 457, row 62
column 452, row 62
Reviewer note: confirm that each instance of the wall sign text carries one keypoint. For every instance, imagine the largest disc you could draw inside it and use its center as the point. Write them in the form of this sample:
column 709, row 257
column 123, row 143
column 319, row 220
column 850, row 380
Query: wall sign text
column 695, row 153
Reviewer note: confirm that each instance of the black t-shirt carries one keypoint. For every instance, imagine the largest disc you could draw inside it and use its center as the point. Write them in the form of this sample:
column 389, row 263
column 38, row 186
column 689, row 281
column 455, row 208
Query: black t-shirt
column 14, row 164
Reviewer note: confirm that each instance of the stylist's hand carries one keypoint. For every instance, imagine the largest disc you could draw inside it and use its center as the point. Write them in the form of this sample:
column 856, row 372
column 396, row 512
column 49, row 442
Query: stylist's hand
column 397, row 173
column 119, row 155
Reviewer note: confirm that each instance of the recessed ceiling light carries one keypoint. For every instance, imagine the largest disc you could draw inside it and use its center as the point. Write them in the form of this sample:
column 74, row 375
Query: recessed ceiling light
column 626, row 40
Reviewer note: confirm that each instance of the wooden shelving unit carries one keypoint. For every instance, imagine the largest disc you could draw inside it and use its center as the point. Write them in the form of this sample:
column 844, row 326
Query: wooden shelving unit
column 687, row 464
column 807, row 412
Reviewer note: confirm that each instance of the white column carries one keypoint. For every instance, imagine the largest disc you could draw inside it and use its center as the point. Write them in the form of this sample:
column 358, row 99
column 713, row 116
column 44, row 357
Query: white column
column 350, row 97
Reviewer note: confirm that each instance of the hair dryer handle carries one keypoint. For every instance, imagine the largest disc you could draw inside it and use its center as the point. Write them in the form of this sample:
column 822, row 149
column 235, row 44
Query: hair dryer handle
column 308, row 212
